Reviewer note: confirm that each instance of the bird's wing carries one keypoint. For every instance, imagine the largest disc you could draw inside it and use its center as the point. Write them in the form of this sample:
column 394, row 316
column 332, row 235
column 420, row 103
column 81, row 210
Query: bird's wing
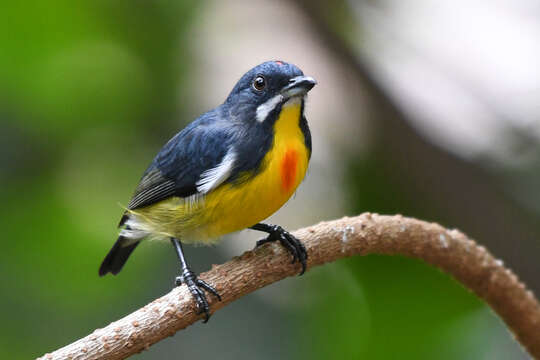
column 195, row 161
column 154, row 187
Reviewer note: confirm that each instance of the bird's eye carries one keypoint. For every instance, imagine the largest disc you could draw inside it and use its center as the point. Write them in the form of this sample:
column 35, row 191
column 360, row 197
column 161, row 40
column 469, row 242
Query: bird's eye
column 259, row 83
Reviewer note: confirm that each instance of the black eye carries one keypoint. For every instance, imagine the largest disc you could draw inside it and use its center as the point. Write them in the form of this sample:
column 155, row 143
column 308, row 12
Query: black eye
column 259, row 83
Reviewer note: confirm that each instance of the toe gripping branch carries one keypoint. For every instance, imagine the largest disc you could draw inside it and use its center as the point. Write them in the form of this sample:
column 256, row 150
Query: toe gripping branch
column 287, row 240
column 195, row 285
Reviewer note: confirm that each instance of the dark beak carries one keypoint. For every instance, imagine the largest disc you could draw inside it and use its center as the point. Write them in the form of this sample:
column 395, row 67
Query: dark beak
column 298, row 86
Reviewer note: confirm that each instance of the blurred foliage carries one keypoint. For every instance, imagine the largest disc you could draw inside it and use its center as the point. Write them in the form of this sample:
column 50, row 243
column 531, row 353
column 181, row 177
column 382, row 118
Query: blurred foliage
column 84, row 86
column 381, row 307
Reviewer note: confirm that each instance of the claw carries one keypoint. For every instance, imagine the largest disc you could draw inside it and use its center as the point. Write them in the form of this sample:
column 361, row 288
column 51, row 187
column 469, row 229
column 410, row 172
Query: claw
column 289, row 242
column 208, row 288
column 195, row 285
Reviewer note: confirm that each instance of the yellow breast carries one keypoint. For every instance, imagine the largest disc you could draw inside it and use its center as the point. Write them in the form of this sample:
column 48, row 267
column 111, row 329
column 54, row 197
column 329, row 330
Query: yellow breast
column 234, row 207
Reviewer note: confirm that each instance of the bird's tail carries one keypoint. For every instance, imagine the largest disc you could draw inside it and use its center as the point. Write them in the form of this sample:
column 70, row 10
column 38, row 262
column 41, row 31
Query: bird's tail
column 117, row 257
column 130, row 237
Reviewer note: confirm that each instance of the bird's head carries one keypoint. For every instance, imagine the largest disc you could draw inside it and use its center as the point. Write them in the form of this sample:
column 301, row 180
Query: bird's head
column 263, row 90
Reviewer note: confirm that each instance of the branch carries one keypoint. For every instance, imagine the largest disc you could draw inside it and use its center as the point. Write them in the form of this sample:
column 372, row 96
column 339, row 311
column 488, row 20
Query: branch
column 450, row 250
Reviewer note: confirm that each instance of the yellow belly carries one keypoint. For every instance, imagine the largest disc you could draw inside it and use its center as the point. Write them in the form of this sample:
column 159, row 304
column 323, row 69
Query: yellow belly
column 232, row 207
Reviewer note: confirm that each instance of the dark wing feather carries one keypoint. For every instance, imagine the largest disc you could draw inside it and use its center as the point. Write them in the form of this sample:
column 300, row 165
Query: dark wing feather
column 152, row 188
column 180, row 163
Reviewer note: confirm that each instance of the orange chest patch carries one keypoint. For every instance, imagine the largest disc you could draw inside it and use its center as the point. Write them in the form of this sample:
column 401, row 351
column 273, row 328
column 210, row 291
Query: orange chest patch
column 289, row 165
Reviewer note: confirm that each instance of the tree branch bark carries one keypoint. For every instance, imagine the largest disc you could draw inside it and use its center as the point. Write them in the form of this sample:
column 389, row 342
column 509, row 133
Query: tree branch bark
column 449, row 250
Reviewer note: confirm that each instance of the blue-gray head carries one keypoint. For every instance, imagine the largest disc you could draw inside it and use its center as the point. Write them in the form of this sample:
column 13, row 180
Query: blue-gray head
column 265, row 88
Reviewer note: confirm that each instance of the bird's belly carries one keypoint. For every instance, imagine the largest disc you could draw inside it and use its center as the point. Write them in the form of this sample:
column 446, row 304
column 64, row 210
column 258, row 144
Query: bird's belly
column 234, row 207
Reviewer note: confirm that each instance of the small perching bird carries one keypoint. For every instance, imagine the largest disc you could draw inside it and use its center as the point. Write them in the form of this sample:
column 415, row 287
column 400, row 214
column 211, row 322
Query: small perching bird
column 226, row 171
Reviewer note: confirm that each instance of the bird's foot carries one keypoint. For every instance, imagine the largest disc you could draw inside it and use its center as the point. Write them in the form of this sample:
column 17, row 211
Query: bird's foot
column 291, row 243
column 197, row 287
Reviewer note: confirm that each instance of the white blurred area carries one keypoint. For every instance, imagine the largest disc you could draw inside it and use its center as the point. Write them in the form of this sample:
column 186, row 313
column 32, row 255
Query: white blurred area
column 232, row 37
column 467, row 72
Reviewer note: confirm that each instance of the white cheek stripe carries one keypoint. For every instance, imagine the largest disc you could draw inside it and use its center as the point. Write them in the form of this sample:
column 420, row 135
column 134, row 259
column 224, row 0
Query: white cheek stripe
column 212, row 178
column 266, row 108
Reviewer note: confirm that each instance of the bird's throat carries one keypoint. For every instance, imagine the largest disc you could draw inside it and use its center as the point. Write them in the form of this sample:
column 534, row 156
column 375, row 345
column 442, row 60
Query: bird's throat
column 288, row 146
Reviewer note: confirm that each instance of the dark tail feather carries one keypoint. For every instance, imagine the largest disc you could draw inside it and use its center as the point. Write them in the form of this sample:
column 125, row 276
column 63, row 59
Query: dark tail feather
column 117, row 257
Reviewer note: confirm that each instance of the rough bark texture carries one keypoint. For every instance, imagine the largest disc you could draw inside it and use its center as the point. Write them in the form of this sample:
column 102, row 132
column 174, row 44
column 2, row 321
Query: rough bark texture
column 449, row 250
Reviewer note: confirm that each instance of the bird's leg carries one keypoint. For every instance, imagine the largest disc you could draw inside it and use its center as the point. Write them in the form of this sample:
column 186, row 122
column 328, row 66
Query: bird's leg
column 195, row 285
column 292, row 244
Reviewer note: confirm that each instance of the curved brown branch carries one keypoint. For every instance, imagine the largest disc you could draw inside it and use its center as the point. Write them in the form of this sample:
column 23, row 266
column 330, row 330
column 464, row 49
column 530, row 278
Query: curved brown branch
column 449, row 250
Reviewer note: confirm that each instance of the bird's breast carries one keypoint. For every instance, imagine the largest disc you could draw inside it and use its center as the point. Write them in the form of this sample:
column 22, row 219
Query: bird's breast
column 286, row 162
column 233, row 207
column 288, row 169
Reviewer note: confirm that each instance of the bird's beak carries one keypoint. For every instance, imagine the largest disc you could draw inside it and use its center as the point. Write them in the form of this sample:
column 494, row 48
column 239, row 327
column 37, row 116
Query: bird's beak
column 298, row 86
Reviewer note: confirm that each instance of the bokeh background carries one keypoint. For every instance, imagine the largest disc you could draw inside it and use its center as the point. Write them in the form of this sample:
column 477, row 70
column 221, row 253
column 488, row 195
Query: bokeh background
column 425, row 108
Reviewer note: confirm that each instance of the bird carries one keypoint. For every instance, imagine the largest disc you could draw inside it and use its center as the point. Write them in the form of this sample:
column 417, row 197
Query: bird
column 226, row 171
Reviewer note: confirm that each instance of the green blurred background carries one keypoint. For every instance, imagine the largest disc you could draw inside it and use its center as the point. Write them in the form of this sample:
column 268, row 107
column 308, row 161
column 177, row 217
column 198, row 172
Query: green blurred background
column 426, row 110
